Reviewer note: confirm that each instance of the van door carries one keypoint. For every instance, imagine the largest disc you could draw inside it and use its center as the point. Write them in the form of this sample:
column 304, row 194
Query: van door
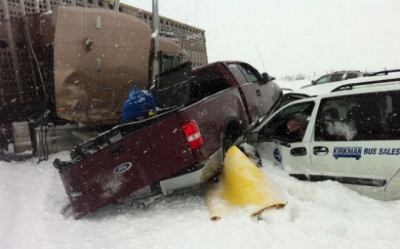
column 283, row 144
column 354, row 142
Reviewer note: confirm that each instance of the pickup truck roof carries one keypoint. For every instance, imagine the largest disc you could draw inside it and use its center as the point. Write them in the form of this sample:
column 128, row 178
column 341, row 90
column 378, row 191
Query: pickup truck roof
column 213, row 64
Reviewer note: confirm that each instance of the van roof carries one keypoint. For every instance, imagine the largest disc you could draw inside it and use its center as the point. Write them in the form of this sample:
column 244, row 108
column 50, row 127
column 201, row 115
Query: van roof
column 346, row 84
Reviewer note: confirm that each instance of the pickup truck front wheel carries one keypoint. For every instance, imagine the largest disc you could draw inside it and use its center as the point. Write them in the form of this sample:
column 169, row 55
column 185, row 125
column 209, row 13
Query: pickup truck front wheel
column 251, row 153
column 228, row 140
column 231, row 135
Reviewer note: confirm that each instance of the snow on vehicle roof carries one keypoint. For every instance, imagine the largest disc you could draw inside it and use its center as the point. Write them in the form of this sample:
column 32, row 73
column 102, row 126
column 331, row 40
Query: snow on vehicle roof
column 330, row 87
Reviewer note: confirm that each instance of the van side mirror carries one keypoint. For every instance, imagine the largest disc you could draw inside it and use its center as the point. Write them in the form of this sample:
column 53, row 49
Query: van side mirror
column 252, row 137
column 267, row 78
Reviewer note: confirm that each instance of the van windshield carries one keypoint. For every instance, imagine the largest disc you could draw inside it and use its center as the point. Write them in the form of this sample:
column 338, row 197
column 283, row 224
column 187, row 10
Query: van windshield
column 284, row 100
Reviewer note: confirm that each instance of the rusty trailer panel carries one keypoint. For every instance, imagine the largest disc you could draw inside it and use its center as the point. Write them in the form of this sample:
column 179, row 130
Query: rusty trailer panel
column 26, row 56
column 92, row 57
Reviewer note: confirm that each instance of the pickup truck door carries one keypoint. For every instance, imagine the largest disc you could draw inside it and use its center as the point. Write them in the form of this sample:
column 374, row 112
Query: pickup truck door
column 289, row 150
column 250, row 91
column 265, row 91
column 355, row 145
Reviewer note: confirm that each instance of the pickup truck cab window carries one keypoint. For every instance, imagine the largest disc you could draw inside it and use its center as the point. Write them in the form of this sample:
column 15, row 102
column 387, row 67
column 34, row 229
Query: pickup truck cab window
column 257, row 93
column 238, row 74
column 250, row 73
column 206, row 83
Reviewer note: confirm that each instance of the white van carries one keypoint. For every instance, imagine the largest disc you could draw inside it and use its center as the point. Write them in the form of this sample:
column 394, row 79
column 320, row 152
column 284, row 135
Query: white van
column 348, row 133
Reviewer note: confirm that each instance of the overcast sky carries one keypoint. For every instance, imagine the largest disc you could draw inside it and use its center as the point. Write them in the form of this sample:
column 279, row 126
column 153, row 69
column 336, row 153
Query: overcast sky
column 288, row 37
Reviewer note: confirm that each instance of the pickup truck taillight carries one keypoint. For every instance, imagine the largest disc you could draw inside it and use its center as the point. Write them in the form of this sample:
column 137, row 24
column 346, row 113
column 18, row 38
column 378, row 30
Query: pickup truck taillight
column 193, row 135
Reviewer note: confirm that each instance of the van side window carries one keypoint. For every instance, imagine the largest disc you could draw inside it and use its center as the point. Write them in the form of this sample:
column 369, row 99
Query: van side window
column 295, row 116
column 360, row 117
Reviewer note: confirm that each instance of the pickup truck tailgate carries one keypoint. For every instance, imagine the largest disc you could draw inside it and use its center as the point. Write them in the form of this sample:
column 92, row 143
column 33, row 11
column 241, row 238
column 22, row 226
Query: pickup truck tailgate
column 140, row 159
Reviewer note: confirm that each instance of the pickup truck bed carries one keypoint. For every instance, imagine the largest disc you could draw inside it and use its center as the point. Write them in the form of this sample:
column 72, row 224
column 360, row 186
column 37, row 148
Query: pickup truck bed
column 127, row 165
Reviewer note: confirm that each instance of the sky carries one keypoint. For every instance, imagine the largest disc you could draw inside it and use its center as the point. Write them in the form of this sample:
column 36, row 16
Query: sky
column 289, row 37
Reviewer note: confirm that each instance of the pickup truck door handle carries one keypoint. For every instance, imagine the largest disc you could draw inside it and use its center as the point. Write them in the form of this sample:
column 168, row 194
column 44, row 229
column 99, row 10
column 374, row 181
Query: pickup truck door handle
column 320, row 150
column 258, row 93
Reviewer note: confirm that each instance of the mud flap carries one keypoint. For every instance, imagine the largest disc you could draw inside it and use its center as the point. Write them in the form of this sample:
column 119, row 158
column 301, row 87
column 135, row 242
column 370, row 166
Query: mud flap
column 242, row 184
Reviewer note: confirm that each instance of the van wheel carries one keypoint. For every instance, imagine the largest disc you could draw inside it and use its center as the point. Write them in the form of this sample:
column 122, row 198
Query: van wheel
column 251, row 153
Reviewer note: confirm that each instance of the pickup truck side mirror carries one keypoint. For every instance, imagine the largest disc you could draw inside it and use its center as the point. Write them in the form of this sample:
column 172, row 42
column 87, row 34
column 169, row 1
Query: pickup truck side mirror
column 266, row 78
column 313, row 82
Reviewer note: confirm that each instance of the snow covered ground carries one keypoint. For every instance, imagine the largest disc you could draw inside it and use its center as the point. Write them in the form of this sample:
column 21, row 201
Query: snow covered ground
column 318, row 215
column 295, row 84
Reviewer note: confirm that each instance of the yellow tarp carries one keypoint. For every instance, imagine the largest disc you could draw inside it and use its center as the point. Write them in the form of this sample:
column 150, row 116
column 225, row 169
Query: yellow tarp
column 242, row 184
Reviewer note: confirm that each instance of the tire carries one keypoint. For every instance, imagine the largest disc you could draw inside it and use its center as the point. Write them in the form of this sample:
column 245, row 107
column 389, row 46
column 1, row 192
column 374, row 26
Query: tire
column 227, row 143
column 232, row 132
column 251, row 153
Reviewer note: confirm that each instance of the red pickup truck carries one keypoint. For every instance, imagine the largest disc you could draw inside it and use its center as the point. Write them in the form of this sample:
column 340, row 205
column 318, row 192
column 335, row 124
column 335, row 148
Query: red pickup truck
column 182, row 146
